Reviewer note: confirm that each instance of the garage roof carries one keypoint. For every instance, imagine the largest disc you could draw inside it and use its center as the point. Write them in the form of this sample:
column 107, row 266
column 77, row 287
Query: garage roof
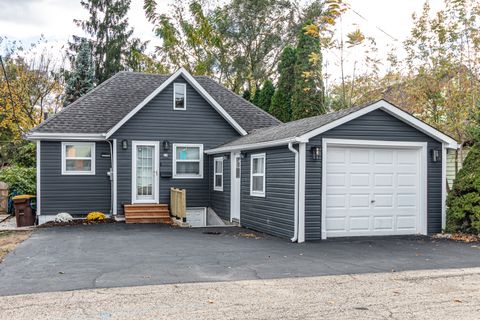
column 304, row 129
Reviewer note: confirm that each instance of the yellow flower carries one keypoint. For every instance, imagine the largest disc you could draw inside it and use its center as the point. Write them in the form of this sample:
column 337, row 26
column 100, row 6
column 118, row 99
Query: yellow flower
column 96, row 216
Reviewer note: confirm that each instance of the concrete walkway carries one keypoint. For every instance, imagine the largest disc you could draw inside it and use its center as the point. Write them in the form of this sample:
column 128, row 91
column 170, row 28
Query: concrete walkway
column 119, row 255
column 434, row 294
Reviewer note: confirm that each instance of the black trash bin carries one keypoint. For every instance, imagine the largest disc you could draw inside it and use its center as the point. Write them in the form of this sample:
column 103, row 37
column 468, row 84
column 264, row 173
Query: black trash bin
column 24, row 206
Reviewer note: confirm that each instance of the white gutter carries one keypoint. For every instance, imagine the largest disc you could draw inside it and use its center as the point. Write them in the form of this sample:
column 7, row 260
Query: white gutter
column 66, row 136
column 295, row 230
column 259, row 145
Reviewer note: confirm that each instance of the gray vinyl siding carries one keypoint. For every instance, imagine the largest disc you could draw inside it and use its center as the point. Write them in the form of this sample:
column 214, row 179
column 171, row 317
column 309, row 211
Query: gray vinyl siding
column 220, row 200
column 274, row 213
column 75, row 194
column 200, row 123
column 376, row 125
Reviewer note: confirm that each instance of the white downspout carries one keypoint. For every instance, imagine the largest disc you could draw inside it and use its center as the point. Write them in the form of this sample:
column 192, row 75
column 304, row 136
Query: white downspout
column 295, row 213
column 110, row 175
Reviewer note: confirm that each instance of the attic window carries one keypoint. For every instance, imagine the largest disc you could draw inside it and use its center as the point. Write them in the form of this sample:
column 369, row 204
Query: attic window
column 179, row 96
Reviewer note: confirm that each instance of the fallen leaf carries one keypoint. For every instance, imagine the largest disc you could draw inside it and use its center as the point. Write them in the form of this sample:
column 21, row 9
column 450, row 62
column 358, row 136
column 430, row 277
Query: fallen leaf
column 457, row 300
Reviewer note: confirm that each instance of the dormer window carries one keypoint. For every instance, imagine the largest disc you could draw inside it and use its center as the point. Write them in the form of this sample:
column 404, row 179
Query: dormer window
column 179, row 96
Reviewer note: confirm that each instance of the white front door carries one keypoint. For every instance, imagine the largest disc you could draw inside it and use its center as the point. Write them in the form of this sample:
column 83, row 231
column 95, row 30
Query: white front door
column 236, row 172
column 373, row 191
column 145, row 181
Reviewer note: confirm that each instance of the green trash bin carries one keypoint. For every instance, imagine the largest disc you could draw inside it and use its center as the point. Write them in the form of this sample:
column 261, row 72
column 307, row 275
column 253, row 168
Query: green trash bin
column 24, row 206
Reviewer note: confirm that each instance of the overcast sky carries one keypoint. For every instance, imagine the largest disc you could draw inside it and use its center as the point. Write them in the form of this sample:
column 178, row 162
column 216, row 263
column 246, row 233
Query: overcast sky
column 26, row 20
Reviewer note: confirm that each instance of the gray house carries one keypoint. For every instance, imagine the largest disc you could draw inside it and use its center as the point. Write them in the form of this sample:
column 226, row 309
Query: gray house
column 370, row 170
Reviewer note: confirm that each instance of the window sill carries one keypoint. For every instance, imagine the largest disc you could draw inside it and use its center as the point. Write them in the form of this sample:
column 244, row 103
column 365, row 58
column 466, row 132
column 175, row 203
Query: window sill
column 259, row 195
column 78, row 173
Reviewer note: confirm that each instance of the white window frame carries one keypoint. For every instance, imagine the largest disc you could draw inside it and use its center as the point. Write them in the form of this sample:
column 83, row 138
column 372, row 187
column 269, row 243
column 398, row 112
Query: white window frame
column 65, row 158
column 179, row 85
column 215, row 174
column 258, row 156
column 174, row 157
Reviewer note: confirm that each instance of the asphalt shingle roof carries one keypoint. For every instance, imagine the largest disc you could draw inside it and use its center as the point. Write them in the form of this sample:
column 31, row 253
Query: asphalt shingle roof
column 103, row 107
column 291, row 129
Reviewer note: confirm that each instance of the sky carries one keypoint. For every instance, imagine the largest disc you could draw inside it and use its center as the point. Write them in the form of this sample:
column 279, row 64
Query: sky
column 27, row 20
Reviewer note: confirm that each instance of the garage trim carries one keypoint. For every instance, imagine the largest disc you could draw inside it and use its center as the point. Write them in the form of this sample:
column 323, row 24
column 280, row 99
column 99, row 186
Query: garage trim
column 422, row 227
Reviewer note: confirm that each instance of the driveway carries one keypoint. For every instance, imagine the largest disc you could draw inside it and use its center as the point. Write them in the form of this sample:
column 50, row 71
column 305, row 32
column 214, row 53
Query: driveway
column 119, row 255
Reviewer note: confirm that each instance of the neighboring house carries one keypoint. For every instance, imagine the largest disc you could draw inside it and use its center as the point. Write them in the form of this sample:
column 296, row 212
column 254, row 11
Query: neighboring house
column 455, row 160
column 371, row 170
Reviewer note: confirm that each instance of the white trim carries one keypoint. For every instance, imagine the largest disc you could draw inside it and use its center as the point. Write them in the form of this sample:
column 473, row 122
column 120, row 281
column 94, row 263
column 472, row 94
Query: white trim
column 114, row 178
column 215, row 174
column 259, row 145
column 444, row 186
column 187, row 76
column 301, row 192
column 38, row 191
column 258, row 156
column 234, row 188
column 92, row 158
column 423, row 167
column 184, row 85
column 174, row 159
column 66, row 136
column 156, row 190
column 394, row 111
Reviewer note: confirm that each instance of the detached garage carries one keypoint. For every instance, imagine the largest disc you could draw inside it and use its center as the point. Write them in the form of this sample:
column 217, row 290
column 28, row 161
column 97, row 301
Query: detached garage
column 372, row 170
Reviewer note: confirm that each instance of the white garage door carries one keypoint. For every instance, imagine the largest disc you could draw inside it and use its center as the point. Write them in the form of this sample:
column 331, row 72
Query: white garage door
column 372, row 191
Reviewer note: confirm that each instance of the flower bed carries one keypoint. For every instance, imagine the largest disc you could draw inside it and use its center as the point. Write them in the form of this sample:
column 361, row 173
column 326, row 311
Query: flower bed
column 75, row 222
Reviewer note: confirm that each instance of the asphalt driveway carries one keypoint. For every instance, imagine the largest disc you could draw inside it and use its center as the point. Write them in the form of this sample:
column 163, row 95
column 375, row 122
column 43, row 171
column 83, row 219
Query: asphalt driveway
column 119, row 255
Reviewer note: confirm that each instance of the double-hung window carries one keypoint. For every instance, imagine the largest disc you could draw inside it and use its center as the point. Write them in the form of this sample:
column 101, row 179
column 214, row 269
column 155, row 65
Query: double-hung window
column 78, row 158
column 179, row 96
column 188, row 161
column 218, row 174
column 257, row 175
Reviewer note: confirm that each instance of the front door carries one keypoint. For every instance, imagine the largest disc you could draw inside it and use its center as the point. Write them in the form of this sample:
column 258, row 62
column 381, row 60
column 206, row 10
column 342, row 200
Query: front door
column 145, row 171
column 235, row 178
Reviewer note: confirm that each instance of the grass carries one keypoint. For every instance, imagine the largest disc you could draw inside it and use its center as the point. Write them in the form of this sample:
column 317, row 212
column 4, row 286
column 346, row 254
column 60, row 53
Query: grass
column 10, row 239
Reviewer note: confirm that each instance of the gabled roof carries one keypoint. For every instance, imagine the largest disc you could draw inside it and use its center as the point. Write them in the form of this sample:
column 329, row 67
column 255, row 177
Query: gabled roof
column 102, row 109
column 304, row 129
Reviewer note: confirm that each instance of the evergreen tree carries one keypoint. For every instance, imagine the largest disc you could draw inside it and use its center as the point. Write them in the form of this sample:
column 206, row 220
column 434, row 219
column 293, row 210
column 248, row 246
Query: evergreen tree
column 247, row 95
column 463, row 201
column 82, row 77
column 110, row 36
column 308, row 91
column 265, row 96
column 281, row 106
column 256, row 97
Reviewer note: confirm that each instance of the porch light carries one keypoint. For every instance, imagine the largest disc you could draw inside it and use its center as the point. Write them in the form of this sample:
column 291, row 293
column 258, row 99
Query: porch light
column 166, row 145
column 225, row 157
column 435, row 155
column 124, row 144
column 316, row 152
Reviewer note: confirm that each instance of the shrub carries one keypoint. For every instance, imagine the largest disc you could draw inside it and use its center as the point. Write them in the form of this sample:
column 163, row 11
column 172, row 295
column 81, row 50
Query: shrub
column 63, row 217
column 20, row 180
column 96, row 216
column 463, row 201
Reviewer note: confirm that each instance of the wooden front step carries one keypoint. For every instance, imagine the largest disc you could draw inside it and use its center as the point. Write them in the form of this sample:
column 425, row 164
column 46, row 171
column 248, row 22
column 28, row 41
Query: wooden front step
column 147, row 213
